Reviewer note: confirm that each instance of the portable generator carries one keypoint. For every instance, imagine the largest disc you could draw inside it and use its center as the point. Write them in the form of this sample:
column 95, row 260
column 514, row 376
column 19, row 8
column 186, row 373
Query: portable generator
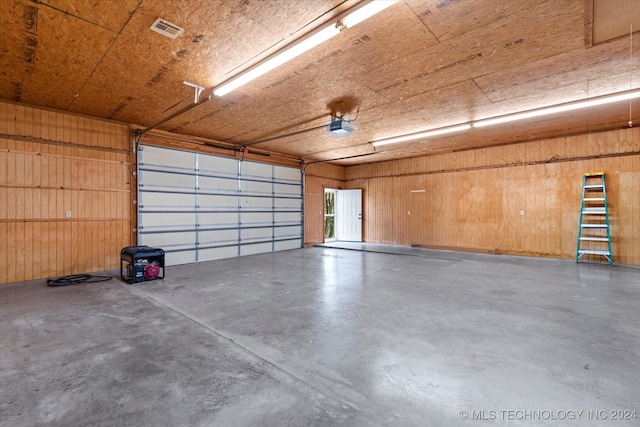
column 141, row 263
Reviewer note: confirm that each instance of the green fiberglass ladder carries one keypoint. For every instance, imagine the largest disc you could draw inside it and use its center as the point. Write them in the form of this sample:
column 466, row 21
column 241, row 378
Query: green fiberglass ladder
column 594, row 236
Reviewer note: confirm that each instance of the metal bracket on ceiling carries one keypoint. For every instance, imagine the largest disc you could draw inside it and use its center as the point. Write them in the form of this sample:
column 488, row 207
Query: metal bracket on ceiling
column 198, row 89
column 196, row 101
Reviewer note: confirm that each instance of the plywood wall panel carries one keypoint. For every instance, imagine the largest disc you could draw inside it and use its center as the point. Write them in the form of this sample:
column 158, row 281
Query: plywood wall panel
column 383, row 225
column 50, row 165
column 519, row 199
column 623, row 188
column 403, row 223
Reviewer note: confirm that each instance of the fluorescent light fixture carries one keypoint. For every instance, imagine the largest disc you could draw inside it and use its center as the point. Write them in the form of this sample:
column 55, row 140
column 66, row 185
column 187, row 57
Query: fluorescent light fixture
column 366, row 12
column 558, row 108
column 287, row 54
column 357, row 14
column 421, row 135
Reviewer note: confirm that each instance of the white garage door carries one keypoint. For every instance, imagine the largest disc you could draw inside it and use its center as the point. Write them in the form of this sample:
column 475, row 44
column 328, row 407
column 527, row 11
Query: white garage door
column 200, row 207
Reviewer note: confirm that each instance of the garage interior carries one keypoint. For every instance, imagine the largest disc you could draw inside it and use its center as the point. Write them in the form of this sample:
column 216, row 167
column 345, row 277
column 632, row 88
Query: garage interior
column 466, row 127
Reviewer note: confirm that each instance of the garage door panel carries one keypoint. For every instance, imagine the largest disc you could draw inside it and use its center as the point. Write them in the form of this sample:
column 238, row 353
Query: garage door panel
column 256, row 187
column 166, row 157
column 214, row 165
column 207, row 201
column 161, row 221
column 257, row 202
column 252, row 249
column 198, row 206
column 209, row 254
column 292, row 231
column 157, row 179
column 253, row 169
column 256, row 217
column 179, row 257
column 218, row 237
column 168, row 200
column 287, row 174
column 256, row 234
column 210, row 184
column 287, row 217
column 285, row 245
column 289, row 204
column 218, row 219
column 286, row 190
column 169, row 240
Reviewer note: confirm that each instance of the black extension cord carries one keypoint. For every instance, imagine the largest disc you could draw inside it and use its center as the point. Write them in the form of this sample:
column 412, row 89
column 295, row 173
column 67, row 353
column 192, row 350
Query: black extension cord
column 74, row 279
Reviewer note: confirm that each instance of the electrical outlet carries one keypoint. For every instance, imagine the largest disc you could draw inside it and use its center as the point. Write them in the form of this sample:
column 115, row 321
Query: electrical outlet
column 521, row 213
column 68, row 214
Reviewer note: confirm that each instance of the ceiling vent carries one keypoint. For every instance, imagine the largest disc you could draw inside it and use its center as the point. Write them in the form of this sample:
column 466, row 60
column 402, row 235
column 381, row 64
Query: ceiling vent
column 166, row 28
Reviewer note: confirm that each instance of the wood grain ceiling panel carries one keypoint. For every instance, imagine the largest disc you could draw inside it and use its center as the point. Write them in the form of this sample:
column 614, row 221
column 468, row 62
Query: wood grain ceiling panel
column 575, row 122
column 315, row 100
column 614, row 18
column 565, row 69
column 318, row 78
column 154, row 66
column 420, row 113
column 546, row 98
column 513, row 42
column 219, row 37
column 447, row 19
column 363, row 50
column 438, row 108
column 48, row 55
column 112, row 15
column 420, row 64
column 332, row 69
column 310, row 70
column 253, row 29
column 612, row 83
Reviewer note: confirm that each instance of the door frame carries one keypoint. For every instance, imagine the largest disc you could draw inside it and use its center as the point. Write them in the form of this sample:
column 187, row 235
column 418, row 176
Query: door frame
column 334, row 191
column 336, row 212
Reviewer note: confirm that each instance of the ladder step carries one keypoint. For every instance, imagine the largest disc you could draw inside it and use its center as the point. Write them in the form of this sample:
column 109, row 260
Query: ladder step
column 594, row 187
column 594, row 199
column 594, row 211
column 595, row 239
column 593, row 225
column 594, row 252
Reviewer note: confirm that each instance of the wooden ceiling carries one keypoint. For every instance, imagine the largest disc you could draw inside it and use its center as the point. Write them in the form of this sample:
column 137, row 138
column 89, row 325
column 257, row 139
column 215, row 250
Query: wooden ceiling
column 418, row 65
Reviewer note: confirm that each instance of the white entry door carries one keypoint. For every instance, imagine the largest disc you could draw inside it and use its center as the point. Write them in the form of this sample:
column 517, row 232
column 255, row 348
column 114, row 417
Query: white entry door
column 349, row 215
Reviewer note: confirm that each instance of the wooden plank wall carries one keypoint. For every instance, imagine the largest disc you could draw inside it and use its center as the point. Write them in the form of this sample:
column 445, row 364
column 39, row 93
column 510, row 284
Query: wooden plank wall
column 52, row 163
column 516, row 199
column 317, row 178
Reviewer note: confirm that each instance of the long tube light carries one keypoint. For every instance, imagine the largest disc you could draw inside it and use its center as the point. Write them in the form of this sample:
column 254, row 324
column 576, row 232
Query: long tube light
column 357, row 14
column 421, row 135
column 560, row 108
column 279, row 59
column 365, row 12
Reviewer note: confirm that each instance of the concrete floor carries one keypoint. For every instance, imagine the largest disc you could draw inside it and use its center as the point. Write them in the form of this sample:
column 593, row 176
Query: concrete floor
column 329, row 337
